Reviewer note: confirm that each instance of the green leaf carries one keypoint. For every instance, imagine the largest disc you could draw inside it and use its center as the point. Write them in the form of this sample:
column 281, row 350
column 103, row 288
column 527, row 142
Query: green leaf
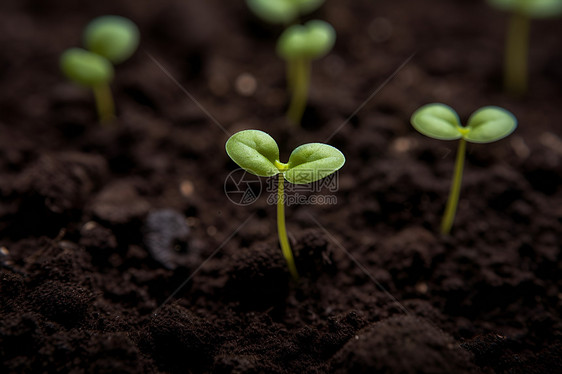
column 282, row 11
column 312, row 40
column 311, row 162
column 531, row 8
column 86, row 68
column 489, row 124
column 255, row 151
column 274, row 11
column 307, row 6
column 114, row 37
column 437, row 121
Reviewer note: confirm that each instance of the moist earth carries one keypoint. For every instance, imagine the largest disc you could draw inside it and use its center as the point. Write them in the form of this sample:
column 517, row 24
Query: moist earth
column 121, row 251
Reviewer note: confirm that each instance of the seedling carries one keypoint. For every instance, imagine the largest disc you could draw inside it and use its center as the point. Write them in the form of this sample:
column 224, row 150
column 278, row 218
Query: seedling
column 517, row 40
column 258, row 153
column 93, row 71
column 440, row 121
column 299, row 45
column 114, row 37
column 282, row 11
column 110, row 39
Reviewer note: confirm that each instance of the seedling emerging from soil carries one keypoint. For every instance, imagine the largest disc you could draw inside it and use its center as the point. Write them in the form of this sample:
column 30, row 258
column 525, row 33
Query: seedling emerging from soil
column 110, row 39
column 299, row 45
column 440, row 121
column 93, row 71
column 258, row 153
column 517, row 39
column 282, row 11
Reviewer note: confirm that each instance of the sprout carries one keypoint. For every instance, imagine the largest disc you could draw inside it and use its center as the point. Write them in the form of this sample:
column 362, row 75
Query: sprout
column 258, row 153
column 440, row 121
column 517, row 42
column 114, row 37
column 299, row 45
column 282, row 11
column 110, row 39
column 93, row 71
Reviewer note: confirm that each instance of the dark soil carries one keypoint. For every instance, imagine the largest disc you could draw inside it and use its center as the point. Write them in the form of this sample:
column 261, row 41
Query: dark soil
column 120, row 251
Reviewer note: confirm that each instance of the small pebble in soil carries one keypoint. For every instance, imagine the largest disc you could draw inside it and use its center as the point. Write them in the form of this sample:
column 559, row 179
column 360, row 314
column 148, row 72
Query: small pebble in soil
column 187, row 188
column 402, row 144
column 165, row 234
column 246, row 84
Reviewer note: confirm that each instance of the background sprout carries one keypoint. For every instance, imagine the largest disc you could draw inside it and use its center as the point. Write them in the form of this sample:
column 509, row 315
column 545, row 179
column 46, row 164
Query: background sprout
column 517, row 39
column 299, row 45
column 282, row 11
column 114, row 37
column 110, row 39
column 440, row 121
column 93, row 71
column 257, row 152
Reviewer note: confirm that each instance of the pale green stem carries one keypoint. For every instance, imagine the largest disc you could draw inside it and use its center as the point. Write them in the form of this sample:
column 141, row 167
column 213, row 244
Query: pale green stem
column 290, row 75
column 452, row 203
column 282, row 230
column 516, row 54
column 104, row 103
column 299, row 95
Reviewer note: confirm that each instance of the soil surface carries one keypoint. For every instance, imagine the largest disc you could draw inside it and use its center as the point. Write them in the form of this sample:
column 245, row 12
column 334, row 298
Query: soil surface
column 121, row 251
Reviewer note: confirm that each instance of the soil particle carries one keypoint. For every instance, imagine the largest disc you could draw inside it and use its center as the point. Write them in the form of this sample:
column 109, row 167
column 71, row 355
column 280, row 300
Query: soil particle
column 177, row 338
column 119, row 203
column 166, row 236
column 402, row 344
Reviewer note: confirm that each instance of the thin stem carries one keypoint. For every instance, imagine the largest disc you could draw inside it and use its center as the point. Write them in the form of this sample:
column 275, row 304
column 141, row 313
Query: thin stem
column 290, row 75
column 300, row 71
column 282, row 230
column 451, row 208
column 516, row 54
column 104, row 103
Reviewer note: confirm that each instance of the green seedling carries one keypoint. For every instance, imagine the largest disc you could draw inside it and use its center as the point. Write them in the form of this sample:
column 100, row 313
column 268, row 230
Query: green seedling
column 517, row 39
column 257, row 153
column 94, row 71
column 440, row 121
column 282, row 11
column 299, row 45
column 110, row 40
column 114, row 37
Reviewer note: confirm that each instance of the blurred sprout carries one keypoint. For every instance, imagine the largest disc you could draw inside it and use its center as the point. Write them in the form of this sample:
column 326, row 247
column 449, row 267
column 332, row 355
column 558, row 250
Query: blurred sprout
column 114, row 37
column 299, row 45
column 109, row 39
column 94, row 71
column 517, row 40
column 86, row 68
column 531, row 8
column 282, row 11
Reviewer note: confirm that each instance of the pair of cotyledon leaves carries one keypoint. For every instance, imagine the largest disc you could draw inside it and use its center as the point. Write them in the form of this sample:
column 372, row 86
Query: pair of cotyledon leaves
column 109, row 40
column 531, row 8
column 311, row 40
column 258, row 153
column 282, row 11
column 486, row 125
